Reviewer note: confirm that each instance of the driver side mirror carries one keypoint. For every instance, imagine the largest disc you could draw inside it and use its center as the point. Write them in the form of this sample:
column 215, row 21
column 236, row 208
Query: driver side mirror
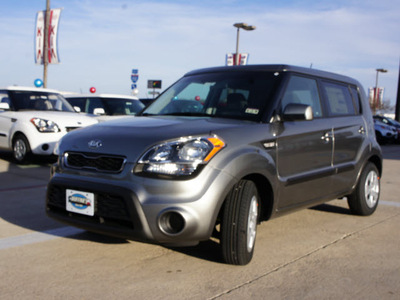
column 4, row 106
column 297, row 112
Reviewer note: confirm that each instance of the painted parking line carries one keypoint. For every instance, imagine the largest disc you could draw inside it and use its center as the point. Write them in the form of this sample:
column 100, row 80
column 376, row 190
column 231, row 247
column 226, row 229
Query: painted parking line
column 389, row 203
column 37, row 237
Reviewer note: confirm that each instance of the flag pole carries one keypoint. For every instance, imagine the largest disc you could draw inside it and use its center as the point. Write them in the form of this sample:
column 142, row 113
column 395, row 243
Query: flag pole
column 46, row 43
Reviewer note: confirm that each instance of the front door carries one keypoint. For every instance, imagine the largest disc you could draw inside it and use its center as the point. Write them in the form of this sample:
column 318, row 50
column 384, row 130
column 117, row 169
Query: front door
column 304, row 148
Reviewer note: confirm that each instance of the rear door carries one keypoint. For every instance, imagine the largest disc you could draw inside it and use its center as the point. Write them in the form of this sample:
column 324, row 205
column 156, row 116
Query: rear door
column 349, row 130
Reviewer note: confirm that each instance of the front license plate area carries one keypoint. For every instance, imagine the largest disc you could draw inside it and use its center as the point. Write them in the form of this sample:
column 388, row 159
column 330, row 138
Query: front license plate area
column 80, row 202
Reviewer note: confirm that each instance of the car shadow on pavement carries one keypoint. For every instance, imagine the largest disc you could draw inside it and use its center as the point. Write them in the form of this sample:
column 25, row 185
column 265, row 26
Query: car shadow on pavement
column 97, row 238
column 326, row 207
column 208, row 250
column 35, row 160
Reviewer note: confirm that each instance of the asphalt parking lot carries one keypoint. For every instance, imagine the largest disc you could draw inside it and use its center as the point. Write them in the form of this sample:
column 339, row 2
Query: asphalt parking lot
column 318, row 253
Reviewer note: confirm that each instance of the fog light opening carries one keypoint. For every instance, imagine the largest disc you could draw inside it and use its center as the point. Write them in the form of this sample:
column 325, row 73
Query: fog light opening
column 45, row 147
column 172, row 223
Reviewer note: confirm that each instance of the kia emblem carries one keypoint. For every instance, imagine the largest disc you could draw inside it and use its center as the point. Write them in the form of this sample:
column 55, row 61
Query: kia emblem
column 94, row 144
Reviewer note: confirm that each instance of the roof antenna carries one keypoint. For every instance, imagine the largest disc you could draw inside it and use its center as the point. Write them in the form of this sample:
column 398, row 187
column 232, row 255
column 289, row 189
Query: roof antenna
column 311, row 66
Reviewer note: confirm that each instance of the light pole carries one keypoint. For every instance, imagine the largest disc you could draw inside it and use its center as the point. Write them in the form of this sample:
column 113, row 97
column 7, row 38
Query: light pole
column 245, row 27
column 375, row 103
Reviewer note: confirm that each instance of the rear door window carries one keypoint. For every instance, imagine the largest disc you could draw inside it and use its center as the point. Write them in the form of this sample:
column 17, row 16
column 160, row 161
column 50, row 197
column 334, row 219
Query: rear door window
column 339, row 98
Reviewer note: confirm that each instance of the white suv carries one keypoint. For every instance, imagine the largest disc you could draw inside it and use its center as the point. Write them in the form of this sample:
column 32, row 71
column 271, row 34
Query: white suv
column 32, row 120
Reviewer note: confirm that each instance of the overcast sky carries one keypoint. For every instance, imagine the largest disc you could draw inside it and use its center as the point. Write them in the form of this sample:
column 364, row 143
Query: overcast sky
column 101, row 41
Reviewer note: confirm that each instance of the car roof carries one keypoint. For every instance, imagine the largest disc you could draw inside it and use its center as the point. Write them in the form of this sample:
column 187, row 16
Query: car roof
column 28, row 89
column 116, row 96
column 277, row 68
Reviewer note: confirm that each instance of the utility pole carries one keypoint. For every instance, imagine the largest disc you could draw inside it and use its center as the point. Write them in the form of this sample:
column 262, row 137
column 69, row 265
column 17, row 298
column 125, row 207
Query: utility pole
column 46, row 43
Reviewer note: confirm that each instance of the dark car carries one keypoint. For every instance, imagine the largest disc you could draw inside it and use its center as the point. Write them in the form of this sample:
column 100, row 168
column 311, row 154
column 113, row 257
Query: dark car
column 382, row 134
column 220, row 151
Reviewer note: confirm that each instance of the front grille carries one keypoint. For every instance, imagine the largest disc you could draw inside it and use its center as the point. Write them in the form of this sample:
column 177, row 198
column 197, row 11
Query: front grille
column 109, row 209
column 94, row 162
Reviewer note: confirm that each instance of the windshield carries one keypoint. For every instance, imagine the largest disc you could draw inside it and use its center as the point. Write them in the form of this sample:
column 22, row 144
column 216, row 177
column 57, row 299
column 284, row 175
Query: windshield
column 122, row 106
column 32, row 100
column 241, row 95
column 108, row 106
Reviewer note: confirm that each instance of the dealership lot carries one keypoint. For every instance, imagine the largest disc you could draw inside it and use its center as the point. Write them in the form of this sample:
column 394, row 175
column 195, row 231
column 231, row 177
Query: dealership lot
column 318, row 253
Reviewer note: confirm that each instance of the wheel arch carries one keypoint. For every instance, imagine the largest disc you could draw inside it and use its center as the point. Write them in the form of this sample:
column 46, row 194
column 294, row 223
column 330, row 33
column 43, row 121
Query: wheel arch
column 266, row 194
column 377, row 161
column 15, row 134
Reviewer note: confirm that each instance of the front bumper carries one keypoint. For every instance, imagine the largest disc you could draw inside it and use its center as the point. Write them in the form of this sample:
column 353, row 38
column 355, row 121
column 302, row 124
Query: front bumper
column 178, row 213
column 43, row 143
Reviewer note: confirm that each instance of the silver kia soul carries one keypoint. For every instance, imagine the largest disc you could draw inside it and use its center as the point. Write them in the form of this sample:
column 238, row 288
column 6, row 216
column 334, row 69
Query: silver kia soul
column 218, row 152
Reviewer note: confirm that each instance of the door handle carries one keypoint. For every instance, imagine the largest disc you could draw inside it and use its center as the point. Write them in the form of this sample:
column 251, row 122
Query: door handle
column 326, row 137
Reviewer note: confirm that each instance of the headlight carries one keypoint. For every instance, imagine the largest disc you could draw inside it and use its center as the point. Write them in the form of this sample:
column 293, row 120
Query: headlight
column 181, row 157
column 43, row 125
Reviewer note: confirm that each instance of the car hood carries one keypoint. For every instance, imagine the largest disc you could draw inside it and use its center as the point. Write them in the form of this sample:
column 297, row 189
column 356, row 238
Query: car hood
column 109, row 118
column 131, row 137
column 61, row 118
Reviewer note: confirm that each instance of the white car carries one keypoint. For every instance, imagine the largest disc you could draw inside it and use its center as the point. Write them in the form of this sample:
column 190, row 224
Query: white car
column 32, row 120
column 106, row 106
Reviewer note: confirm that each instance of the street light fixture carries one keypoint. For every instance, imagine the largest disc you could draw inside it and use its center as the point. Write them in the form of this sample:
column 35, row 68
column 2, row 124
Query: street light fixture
column 375, row 103
column 244, row 26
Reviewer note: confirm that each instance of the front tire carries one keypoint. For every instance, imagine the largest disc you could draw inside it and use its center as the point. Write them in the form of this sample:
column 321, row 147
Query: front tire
column 21, row 149
column 239, row 223
column 364, row 200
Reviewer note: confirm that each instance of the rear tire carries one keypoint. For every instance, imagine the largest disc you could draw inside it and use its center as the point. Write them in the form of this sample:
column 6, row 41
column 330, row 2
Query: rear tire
column 364, row 200
column 239, row 223
column 21, row 149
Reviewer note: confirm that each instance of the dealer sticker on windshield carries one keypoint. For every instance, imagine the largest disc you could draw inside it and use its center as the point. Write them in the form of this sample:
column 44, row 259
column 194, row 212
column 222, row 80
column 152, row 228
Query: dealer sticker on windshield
column 80, row 202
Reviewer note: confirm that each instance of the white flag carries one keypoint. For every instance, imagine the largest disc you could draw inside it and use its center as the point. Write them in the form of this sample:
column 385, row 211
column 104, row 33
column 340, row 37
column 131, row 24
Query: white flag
column 54, row 18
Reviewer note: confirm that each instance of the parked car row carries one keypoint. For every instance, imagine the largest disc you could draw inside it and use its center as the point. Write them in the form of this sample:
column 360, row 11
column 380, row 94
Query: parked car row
column 387, row 130
column 32, row 120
